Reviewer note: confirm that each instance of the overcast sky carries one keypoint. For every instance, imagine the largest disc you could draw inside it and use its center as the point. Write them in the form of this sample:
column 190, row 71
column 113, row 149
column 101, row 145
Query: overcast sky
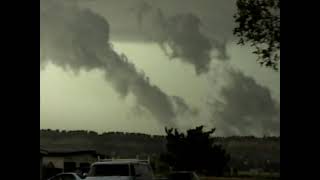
column 176, row 72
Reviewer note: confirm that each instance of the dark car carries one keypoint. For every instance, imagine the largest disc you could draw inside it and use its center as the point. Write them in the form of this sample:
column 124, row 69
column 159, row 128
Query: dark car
column 183, row 175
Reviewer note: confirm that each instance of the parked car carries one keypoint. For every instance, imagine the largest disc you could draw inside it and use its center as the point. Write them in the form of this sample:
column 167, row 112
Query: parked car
column 183, row 175
column 120, row 170
column 66, row 176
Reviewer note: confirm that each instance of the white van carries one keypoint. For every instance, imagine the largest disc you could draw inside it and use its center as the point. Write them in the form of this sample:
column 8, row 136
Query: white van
column 120, row 170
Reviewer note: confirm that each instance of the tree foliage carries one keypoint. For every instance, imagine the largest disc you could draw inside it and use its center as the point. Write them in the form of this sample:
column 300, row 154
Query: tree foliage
column 258, row 24
column 253, row 150
column 195, row 151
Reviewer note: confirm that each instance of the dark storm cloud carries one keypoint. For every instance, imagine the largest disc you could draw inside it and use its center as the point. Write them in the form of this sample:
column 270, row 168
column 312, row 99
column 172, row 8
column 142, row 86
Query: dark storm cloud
column 78, row 39
column 180, row 36
column 246, row 108
column 216, row 15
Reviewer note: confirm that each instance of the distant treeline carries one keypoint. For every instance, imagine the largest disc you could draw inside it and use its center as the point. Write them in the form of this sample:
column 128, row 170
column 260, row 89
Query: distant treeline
column 246, row 152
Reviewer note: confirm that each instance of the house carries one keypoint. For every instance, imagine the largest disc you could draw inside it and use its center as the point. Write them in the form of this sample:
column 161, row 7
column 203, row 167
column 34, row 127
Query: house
column 43, row 152
column 69, row 160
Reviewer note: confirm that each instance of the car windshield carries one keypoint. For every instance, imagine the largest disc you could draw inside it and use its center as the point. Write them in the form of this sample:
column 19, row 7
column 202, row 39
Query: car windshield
column 109, row 170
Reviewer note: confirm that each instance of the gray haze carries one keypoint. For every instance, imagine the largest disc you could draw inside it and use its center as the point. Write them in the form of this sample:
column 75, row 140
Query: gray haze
column 233, row 93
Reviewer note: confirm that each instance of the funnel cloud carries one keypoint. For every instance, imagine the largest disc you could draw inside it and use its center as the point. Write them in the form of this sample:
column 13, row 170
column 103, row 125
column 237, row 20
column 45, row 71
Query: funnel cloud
column 131, row 65
column 78, row 39
column 245, row 107
column 180, row 36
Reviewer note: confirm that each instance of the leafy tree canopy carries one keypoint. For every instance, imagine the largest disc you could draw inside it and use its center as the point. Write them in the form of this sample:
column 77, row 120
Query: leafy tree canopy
column 258, row 24
column 195, row 151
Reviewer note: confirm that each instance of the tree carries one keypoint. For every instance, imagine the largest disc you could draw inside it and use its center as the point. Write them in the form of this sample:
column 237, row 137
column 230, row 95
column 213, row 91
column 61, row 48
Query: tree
column 258, row 23
column 195, row 151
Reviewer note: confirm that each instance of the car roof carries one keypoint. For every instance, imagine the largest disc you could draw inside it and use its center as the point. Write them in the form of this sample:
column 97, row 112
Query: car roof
column 65, row 173
column 71, row 173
